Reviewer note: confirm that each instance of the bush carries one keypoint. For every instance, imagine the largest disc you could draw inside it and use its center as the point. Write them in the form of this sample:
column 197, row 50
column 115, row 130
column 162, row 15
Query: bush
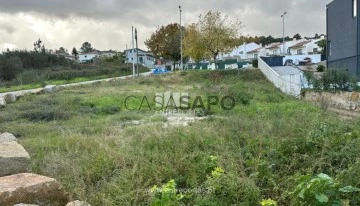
column 255, row 63
column 337, row 79
column 320, row 68
column 44, row 109
column 321, row 190
column 9, row 67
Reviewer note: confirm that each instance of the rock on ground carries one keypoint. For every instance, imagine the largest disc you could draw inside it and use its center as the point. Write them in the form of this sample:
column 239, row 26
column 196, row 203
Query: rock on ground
column 10, row 98
column 13, row 159
column 78, row 203
column 50, row 88
column 7, row 137
column 24, row 205
column 2, row 102
column 31, row 189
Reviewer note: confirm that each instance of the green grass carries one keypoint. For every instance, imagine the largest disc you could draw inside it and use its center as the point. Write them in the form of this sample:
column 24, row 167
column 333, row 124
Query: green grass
column 84, row 137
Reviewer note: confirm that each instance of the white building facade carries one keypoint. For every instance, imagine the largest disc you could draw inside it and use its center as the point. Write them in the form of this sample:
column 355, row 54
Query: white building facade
column 144, row 58
column 88, row 57
column 241, row 52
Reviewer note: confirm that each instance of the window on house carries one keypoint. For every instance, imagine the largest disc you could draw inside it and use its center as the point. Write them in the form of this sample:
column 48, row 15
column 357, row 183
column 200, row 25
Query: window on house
column 354, row 8
column 329, row 48
column 256, row 56
column 288, row 50
column 241, row 52
column 299, row 51
column 315, row 50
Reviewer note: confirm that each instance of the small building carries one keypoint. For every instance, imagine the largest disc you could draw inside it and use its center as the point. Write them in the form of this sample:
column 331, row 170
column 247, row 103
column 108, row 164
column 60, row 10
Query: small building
column 89, row 56
column 255, row 53
column 274, row 49
column 240, row 52
column 67, row 56
column 144, row 58
column 343, row 35
column 109, row 53
column 304, row 47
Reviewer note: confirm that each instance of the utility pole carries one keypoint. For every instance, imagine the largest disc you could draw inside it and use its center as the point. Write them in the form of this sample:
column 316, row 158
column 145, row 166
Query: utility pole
column 137, row 53
column 283, row 17
column 181, row 39
column 133, row 45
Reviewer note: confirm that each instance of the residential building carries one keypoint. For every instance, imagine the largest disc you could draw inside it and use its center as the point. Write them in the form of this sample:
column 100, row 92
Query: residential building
column 109, row 53
column 67, row 56
column 255, row 53
column 274, row 49
column 144, row 58
column 89, row 56
column 303, row 47
column 240, row 52
column 343, row 35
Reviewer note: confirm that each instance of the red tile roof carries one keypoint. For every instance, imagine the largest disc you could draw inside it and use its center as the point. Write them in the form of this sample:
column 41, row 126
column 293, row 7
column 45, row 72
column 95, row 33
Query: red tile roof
column 255, row 50
column 300, row 44
column 274, row 45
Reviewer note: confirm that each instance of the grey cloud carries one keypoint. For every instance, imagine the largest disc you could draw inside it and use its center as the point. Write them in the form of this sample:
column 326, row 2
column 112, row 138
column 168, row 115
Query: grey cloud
column 88, row 19
column 7, row 28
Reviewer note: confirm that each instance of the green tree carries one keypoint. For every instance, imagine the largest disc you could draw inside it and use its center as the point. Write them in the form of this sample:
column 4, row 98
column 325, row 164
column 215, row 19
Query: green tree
column 39, row 46
column 61, row 50
column 86, row 47
column 10, row 67
column 214, row 34
column 193, row 47
column 297, row 36
column 322, row 44
column 74, row 52
column 165, row 42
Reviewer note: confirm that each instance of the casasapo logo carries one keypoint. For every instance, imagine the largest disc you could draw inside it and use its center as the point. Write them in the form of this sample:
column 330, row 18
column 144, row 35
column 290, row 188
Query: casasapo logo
column 179, row 101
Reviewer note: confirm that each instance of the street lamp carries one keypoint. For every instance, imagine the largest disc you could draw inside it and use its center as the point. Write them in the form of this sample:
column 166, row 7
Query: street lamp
column 283, row 17
column 181, row 49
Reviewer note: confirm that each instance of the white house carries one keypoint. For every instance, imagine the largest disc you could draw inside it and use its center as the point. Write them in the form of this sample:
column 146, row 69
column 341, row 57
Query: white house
column 67, row 56
column 241, row 52
column 304, row 46
column 144, row 58
column 89, row 56
column 255, row 53
column 274, row 49
column 109, row 53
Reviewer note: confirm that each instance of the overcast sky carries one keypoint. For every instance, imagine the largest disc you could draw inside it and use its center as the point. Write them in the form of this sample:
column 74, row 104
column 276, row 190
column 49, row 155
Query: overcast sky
column 106, row 24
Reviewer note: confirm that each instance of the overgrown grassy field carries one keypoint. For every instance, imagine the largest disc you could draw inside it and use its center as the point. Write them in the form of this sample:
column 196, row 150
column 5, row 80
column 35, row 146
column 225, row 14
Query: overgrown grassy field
column 268, row 147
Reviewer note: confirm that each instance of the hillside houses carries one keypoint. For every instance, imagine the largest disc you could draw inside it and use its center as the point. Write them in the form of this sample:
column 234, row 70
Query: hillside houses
column 252, row 50
column 90, row 56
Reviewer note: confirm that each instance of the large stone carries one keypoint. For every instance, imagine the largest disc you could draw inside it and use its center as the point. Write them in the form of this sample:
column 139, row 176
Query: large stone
column 7, row 137
column 2, row 102
column 10, row 97
column 50, row 88
column 13, row 159
column 25, row 205
column 78, row 203
column 31, row 189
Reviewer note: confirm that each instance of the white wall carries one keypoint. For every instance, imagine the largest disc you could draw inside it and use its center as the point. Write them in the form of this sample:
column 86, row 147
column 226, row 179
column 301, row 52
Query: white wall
column 289, row 84
column 315, row 58
column 148, row 61
column 87, row 57
column 240, row 51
